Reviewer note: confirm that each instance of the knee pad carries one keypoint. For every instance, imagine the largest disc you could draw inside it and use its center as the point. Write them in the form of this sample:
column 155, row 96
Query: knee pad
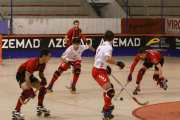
column 77, row 71
column 42, row 91
column 77, row 66
column 141, row 72
column 112, row 85
column 110, row 93
column 26, row 93
column 57, row 73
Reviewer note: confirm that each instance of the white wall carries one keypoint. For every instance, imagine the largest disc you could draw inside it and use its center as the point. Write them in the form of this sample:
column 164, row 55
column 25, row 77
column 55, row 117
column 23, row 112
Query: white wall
column 172, row 26
column 112, row 10
column 62, row 25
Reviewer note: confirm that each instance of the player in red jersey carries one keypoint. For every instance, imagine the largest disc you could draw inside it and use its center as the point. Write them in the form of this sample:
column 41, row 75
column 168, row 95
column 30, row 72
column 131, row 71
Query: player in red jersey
column 74, row 32
column 28, row 81
column 150, row 58
column 71, row 57
column 101, row 70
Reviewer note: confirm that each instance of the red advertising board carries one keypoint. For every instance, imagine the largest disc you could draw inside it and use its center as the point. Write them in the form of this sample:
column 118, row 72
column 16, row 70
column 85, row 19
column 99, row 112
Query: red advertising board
column 143, row 25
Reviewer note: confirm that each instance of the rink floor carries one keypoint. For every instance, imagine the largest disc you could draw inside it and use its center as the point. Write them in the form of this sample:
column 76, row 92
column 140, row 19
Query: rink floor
column 88, row 101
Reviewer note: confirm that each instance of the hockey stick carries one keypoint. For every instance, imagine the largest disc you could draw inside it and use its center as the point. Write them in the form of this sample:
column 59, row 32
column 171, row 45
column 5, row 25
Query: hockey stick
column 142, row 104
column 70, row 80
column 25, row 102
column 120, row 92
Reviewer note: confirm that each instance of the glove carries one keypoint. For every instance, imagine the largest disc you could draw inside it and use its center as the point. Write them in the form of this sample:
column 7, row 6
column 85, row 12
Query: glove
column 88, row 43
column 71, row 64
column 66, row 46
column 32, row 93
column 121, row 65
column 129, row 78
column 160, row 82
column 43, row 82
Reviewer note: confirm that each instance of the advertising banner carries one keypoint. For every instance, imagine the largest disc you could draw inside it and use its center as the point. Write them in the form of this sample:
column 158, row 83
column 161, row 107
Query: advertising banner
column 58, row 43
column 123, row 44
column 172, row 26
column 120, row 42
column 143, row 25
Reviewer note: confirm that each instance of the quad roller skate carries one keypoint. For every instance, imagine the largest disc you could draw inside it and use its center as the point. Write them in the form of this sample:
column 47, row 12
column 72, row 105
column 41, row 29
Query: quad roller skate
column 165, row 84
column 73, row 89
column 111, row 108
column 136, row 89
column 108, row 115
column 49, row 88
column 17, row 115
column 41, row 110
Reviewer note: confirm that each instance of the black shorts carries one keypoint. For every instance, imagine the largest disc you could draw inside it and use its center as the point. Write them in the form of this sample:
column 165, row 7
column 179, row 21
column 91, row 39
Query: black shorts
column 150, row 65
column 21, row 78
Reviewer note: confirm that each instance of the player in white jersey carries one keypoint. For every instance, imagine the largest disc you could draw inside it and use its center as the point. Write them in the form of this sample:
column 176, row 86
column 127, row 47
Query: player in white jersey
column 71, row 57
column 101, row 70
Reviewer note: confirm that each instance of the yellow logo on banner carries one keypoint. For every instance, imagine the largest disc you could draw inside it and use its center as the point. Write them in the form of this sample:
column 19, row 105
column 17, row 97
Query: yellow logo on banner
column 154, row 40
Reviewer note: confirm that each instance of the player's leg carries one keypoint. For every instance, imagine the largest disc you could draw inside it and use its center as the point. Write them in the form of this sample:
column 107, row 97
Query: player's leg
column 77, row 71
column 141, row 72
column 42, row 91
column 103, row 80
column 24, row 95
column 156, row 75
column 57, row 73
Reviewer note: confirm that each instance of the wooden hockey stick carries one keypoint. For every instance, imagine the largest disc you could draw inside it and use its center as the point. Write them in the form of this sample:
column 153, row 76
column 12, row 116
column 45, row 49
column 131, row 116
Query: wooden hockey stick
column 25, row 102
column 142, row 104
column 70, row 79
column 120, row 92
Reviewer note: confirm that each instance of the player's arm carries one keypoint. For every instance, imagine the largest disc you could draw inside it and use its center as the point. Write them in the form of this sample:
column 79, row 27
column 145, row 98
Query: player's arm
column 41, row 75
column 65, row 55
column 91, row 48
column 160, row 70
column 66, row 36
column 64, row 60
column 110, row 60
column 27, row 76
column 129, row 79
column 43, row 79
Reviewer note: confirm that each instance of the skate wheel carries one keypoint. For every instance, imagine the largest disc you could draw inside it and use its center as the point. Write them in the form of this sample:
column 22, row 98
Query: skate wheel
column 135, row 93
column 46, row 115
column 39, row 114
column 14, row 118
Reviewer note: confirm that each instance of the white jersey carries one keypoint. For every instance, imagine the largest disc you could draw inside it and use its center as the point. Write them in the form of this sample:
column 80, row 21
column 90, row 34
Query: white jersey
column 105, row 49
column 73, row 55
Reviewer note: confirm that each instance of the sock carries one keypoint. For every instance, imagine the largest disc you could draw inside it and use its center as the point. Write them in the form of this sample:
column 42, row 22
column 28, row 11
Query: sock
column 156, row 77
column 40, row 99
column 75, row 78
column 19, row 104
column 107, row 100
column 140, row 75
column 55, row 76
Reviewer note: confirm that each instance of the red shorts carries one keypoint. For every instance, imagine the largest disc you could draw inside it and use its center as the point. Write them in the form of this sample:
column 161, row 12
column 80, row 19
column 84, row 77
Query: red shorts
column 64, row 66
column 100, row 75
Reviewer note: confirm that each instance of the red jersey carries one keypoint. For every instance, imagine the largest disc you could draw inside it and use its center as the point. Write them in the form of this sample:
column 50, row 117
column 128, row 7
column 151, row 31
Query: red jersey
column 72, row 33
column 152, row 57
column 31, row 66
